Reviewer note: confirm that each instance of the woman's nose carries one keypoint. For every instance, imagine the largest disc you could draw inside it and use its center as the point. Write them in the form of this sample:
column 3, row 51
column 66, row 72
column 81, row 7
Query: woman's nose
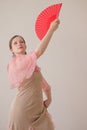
column 19, row 44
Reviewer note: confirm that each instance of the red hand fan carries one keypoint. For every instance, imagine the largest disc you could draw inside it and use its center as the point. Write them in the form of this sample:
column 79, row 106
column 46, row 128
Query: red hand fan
column 45, row 18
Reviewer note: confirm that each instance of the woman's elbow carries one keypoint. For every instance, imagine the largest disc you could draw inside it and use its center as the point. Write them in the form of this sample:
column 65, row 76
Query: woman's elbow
column 47, row 88
column 38, row 53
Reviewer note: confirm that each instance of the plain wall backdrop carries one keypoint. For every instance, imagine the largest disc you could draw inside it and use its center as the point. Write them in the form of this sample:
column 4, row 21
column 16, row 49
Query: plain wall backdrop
column 64, row 64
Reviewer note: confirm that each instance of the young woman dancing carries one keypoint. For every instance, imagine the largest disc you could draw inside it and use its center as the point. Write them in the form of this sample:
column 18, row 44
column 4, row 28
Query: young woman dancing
column 28, row 109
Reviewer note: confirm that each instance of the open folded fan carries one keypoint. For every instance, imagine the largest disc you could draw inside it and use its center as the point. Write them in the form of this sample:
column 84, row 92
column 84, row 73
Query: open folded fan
column 45, row 18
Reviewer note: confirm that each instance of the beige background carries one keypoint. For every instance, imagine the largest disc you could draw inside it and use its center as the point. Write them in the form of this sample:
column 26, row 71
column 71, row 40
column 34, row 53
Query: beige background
column 64, row 64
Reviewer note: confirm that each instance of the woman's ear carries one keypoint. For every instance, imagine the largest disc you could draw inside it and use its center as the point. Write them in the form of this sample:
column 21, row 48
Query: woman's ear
column 11, row 50
column 25, row 46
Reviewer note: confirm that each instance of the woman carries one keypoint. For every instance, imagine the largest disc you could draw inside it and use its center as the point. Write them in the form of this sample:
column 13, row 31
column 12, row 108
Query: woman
column 28, row 110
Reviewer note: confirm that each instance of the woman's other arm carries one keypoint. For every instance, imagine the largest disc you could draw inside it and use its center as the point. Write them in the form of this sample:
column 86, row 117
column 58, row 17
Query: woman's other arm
column 47, row 90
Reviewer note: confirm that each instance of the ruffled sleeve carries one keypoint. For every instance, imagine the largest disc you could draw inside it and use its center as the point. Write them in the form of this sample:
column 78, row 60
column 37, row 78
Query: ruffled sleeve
column 21, row 68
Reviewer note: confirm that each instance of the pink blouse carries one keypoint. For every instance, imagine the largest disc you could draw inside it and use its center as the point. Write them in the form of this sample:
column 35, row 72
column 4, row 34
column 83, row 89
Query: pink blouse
column 21, row 68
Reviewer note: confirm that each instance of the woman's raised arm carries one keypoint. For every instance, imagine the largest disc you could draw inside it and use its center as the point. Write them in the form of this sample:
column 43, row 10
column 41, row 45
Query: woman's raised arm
column 45, row 41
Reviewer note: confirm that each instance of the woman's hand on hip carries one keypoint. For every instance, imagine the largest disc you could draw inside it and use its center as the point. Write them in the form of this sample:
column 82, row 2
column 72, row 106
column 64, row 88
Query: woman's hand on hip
column 47, row 102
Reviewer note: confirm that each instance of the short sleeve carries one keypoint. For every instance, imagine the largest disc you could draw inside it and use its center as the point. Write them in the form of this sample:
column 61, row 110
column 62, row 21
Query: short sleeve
column 21, row 68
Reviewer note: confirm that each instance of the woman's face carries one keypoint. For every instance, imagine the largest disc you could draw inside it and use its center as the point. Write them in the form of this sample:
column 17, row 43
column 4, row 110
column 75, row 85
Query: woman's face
column 18, row 46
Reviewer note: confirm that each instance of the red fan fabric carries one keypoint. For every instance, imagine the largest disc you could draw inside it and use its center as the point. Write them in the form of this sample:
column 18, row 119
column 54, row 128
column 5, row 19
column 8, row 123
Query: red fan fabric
column 45, row 18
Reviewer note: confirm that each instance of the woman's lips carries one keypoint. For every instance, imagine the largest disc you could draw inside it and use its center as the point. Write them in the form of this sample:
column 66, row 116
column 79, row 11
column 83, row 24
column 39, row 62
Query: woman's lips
column 20, row 47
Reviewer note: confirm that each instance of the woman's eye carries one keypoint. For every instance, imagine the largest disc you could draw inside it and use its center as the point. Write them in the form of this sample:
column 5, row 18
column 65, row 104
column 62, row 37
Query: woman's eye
column 21, row 42
column 15, row 43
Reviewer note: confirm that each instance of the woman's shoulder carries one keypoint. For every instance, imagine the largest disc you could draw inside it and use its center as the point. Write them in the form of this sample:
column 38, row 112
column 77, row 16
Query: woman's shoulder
column 32, row 54
column 22, row 61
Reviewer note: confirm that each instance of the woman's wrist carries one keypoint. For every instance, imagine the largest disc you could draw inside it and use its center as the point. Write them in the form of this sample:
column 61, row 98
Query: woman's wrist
column 50, row 99
column 51, row 29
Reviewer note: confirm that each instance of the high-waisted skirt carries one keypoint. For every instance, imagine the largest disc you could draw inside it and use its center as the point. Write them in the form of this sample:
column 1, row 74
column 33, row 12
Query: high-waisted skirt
column 27, row 109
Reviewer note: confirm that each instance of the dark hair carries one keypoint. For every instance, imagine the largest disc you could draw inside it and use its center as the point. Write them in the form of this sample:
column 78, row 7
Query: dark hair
column 10, row 42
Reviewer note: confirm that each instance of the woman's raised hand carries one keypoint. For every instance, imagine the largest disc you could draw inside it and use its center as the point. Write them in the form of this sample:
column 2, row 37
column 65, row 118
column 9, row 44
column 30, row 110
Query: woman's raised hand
column 54, row 25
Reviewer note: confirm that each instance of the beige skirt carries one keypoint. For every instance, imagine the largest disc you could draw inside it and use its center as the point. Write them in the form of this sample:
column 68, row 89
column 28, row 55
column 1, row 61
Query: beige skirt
column 27, row 109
